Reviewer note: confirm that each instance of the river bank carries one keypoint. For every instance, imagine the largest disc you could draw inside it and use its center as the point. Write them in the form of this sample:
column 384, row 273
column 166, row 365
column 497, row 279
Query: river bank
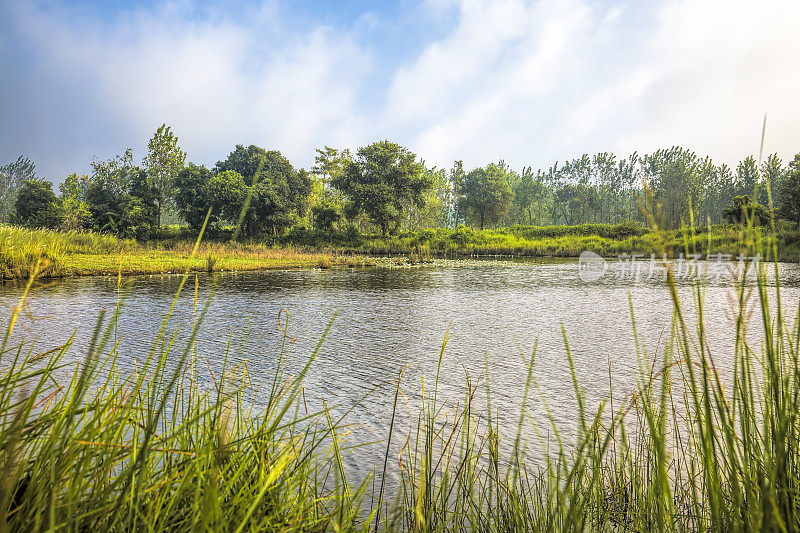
column 65, row 254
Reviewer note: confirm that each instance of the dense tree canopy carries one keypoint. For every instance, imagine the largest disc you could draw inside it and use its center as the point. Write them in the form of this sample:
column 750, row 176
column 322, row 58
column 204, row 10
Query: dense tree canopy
column 12, row 176
column 199, row 189
column 486, row 195
column 384, row 188
column 36, row 205
column 163, row 162
column 790, row 192
column 278, row 194
column 381, row 181
column 121, row 198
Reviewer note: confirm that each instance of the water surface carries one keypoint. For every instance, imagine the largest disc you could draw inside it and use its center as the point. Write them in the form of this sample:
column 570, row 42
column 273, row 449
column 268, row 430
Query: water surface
column 388, row 319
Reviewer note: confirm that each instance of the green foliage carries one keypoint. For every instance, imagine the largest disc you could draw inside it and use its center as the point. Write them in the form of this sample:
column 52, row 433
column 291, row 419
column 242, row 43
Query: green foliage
column 121, row 198
column 278, row 194
column 12, row 177
column 326, row 216
column 382, row 179
column 486, row 195
column 114, row 175
column 163, row 162
column 744, row 210
column 75, row 213
column 190, row 195
column 225, row 193
column 790, row 192
column 36, row 205
column 199, row 190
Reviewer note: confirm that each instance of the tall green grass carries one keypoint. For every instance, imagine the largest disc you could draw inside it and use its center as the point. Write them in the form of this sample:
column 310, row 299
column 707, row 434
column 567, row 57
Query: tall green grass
column 21, row 248
column 688, row 450
column 608, row 240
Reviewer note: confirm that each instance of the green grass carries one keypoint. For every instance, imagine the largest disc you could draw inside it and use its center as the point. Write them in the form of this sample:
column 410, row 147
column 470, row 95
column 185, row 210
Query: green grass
column 689, row 450
column 84, row 253
column 609, row 240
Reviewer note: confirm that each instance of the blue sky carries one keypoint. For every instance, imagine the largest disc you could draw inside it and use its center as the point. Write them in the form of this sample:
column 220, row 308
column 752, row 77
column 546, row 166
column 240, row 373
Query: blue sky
column 530, row 82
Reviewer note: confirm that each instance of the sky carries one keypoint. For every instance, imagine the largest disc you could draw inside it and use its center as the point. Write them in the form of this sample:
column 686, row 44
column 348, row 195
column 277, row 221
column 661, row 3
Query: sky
column 528, row 82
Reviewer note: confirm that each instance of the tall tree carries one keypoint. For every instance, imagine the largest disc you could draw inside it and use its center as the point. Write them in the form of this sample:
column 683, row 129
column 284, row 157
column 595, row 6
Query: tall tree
column 456, row 177
column 114, row 175
column 280, row 194
column 199, row 189
column 381, row 180
column 674, row 177
column 773, row 171
column 12, row 176
column 163, row 161
column 75, row 213
column 790, row 193
column 121, row 198
column 486, row 195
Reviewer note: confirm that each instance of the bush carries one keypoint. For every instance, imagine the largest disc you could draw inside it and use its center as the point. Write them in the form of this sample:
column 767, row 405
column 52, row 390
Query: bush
column 36, row 205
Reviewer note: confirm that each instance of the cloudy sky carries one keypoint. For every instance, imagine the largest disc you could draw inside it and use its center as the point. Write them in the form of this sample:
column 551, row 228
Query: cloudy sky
column 527, row 82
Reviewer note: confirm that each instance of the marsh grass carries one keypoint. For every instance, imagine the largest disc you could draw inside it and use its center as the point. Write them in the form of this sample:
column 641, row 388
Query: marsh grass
column 152, row 450
column 608, row 240
column 688, row 450
column 84, row 253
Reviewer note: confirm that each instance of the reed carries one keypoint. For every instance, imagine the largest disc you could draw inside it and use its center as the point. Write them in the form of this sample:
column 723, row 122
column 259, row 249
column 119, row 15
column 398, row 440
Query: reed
column 687, row 450
column 75, row 253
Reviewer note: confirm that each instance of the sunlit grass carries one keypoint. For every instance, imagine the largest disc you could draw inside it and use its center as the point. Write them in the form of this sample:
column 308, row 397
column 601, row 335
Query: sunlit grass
column 687, row 450
column 85, row 253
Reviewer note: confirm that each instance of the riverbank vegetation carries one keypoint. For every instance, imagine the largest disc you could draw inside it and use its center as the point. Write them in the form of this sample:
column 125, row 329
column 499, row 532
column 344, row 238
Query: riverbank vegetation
column 688, row 450
column 76, row 253
column 384, row 188
column 80, row 253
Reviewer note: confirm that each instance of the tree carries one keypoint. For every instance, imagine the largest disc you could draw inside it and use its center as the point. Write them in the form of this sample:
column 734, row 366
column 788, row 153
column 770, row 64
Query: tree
column 529, row 192
column 74, row 211
column 12, row 177
column 382, row 178
column 326, row 215
column 744, row 209
column 36, row 205
column 163, row 161
column 121, row 198
column 114, row 175
column 279, row 194
column 677, row 183
column 486, row 195
column 225, row 194
column 774, row 173
column 790, row 192
column 190, row 194
column 330, row 163
column 435, row 211
column 198, row 189
column 456, row 177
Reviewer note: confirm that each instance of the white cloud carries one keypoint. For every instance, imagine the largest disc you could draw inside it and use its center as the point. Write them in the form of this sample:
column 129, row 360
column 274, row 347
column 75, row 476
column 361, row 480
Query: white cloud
column 216, row 83
column 527, row 81
column 534, row 82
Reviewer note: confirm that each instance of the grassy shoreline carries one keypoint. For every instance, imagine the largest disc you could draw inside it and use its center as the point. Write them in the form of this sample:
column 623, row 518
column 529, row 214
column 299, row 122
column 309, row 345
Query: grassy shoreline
column 687, row 450
column 67, row 254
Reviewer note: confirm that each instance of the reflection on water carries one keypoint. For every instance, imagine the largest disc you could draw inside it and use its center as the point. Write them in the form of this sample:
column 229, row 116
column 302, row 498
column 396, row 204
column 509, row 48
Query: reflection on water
column 388, row 319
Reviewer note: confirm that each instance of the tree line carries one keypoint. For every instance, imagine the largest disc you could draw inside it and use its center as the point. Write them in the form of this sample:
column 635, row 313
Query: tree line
column 385, row 188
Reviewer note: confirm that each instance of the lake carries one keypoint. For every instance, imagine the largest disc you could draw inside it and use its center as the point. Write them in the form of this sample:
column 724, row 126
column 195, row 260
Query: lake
column 387, row 319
